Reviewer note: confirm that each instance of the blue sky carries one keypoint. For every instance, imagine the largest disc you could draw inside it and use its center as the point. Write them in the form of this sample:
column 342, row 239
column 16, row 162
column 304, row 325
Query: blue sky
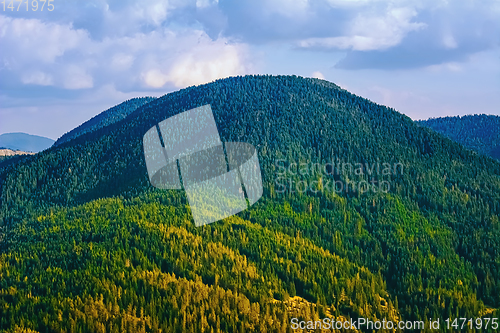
column 425, row 58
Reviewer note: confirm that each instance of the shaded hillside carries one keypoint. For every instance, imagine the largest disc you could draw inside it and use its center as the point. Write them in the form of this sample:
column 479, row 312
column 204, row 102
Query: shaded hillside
column 105, row 118
column 478, row 132
column 25, row 142
column 87, row 244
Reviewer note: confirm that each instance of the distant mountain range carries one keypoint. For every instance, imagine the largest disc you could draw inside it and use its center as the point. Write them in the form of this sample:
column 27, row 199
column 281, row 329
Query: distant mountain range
column 477, row 132
column 105, row 118
column 25, row 142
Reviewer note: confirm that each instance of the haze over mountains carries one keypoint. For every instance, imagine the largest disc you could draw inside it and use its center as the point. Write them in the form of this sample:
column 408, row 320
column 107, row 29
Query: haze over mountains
column 87, row 244
column 25, row 142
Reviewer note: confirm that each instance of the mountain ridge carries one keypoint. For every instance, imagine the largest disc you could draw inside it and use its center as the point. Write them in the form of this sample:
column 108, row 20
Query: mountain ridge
column 105, row 118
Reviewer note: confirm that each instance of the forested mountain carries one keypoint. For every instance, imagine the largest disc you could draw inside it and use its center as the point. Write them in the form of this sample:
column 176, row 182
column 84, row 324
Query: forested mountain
column 25, row 142
column 477, row 132
column 88, row 245
column 105, row 118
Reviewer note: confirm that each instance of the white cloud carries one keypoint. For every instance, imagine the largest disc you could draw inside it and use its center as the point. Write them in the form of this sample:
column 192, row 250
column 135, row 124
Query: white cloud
column 206, row 3
column 130, row 17
column 36, row 52
column 452, row 66
column 154, row 11
column 37, row 77
column 179, row 59
column 121, row 61
column 347, row 3
column 37, row 40
column 318, row 75
column 141, row 60
column 288, row 8
column 154, row 78
column 206, row 62
column 449, row 41
column 368, row 32
column 76, row 77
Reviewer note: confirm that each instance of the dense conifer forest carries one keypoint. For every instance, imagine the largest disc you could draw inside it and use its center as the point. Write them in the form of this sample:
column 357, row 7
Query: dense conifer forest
column 88, row 245
column 480, row 133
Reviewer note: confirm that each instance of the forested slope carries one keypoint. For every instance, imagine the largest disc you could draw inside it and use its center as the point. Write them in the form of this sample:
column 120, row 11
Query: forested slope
column 105, row 118
column 88, row 245
column 477, row 132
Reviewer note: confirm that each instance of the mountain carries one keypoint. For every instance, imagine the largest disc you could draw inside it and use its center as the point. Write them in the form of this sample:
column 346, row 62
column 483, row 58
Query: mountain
column 364, row 214
column 480, row 133
column 25, row 142
column 105, row 118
